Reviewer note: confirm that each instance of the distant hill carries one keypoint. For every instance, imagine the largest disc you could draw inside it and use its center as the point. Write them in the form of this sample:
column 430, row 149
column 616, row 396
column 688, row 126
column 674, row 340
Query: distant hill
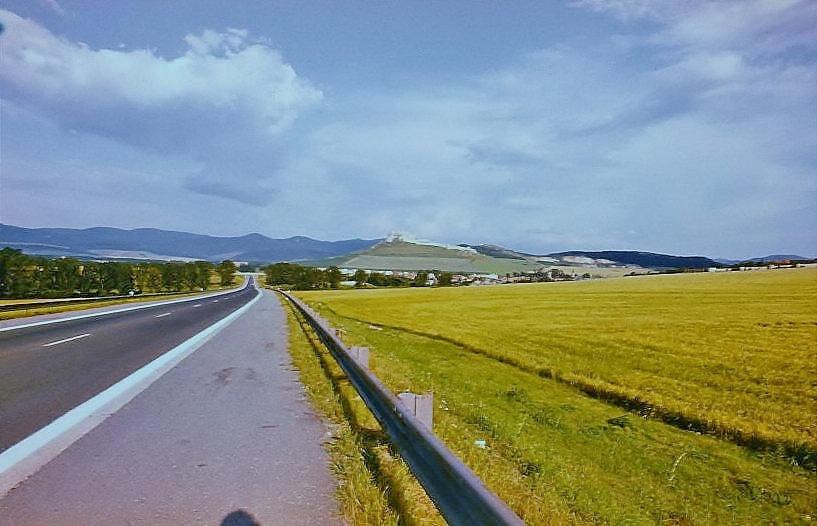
column 498, row 251
column 602, row 259
column 642, row 259
column 398, row 254
column 778, row 257
column 764, row 259
column 151, row 243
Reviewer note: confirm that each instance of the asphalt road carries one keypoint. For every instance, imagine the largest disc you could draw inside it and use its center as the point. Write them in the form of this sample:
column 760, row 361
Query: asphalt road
column 47, row 370
column 228, row 430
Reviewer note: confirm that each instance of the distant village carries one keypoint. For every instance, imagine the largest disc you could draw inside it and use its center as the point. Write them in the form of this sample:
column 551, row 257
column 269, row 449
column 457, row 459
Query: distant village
column 302, row 277
column 437, row 278
column 295, row 276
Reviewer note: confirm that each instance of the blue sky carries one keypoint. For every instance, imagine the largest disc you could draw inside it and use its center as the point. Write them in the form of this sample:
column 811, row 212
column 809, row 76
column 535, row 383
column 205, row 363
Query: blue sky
column 679, row 127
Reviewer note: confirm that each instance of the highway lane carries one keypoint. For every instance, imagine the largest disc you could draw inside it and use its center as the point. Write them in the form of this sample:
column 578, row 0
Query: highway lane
column 47, row 370
column 228, row 428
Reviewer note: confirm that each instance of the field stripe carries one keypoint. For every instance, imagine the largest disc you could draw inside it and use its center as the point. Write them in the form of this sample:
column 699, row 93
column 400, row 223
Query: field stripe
column 804, row 455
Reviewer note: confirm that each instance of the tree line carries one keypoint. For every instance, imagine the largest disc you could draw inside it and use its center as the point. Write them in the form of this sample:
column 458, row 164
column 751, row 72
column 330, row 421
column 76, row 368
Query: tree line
column 24, row 276
column 298, row 277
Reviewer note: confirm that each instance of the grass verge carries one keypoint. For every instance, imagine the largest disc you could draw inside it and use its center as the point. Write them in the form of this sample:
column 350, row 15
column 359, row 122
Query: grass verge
column 375, row 485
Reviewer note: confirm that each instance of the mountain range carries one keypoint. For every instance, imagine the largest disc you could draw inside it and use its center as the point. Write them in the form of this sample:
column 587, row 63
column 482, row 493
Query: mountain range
column 393, row 253
column 155, row 244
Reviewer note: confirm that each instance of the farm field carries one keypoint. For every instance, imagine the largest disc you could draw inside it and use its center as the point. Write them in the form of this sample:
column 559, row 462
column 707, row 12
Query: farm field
column 556, row 376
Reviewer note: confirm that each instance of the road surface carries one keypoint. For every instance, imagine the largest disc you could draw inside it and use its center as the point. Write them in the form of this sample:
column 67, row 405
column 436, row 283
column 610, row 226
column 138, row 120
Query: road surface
column 227, row 429
column 46, row 370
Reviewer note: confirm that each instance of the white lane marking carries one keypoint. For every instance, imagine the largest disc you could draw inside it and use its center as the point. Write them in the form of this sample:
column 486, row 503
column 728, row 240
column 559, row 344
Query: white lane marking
column 197, row 305
column 24, row 458
column 163, row 315
column 126, row 309
column 72, row 338
column 215, row 301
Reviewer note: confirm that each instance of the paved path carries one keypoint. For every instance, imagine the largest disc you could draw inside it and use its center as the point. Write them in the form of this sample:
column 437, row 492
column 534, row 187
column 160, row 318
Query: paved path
column 227, row 429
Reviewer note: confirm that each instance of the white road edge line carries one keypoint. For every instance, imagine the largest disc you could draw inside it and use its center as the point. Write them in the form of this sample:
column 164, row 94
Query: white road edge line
column 163, row 315
column 72, row 338
column 126, row 309
column 24, row 458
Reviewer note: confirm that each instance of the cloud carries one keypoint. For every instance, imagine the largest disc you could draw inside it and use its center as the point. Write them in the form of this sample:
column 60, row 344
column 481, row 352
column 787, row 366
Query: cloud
column 757, row 27
column 753, row 26
column 224, row 97
column 629, row 9
column 54, row 6
column 674, row 143
column 666, row 134
column 248, row 192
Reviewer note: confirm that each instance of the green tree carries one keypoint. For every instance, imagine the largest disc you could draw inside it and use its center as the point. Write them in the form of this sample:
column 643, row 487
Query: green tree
column 203, row 271
column 421, row 279
column 153, row 279
column 19, row 273
column 334, row 277
column 226, row 272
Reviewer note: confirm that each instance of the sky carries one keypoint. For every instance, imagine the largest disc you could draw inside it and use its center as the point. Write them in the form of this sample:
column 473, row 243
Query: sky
column 665, row 126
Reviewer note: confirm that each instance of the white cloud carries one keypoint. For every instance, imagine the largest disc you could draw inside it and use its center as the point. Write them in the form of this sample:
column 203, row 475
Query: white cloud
column 702, row 147
column 753, row 25
column 54, row 6
column 670, row 136
column 227, row 94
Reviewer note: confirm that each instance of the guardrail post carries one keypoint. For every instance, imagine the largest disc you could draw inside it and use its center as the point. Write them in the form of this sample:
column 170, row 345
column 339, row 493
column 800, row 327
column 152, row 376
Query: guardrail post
column 421, row 405
column 360, row 355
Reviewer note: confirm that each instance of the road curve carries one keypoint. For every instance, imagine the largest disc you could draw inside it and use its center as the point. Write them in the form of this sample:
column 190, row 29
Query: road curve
column 46, row 370
column 226, row 429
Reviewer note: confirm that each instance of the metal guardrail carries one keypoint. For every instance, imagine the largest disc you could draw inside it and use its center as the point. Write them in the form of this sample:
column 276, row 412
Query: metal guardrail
column 458, row 492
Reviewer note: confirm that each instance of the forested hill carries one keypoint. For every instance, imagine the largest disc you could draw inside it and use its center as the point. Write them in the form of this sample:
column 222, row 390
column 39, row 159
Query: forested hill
column 644, row 259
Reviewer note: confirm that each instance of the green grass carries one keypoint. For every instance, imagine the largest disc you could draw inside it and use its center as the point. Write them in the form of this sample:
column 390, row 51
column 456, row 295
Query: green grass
column 374, row 485
column 533, row 370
